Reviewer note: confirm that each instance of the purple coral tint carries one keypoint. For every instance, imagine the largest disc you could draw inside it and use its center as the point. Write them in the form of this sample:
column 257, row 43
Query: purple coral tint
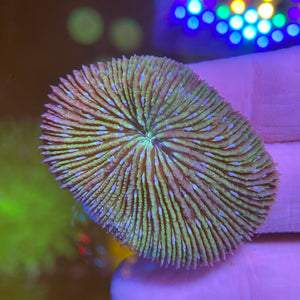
column 159, row 159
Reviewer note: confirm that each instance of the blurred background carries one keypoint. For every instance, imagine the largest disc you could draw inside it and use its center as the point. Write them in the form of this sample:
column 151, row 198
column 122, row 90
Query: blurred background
column 49, row 248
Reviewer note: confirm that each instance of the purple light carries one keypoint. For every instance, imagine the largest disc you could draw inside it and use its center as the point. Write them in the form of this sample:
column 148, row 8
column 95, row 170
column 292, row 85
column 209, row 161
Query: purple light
column 294, row 13
column 211, row 3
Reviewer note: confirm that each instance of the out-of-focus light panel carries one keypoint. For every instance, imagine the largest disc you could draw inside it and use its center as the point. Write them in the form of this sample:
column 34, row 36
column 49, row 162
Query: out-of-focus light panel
column 294, row 13
column 208, row 17
column 236, row 22
column 235, row 38
column 238, row 6
column 249, row 32
column 265, row 10
column 193, row 22
column 223, row 11
column 180, row 12
column 222, row 27
column 194, row 7
column 262, row 42
column 293, row 29
column 279, row 20
column 277, row 36
column 210, row 3
column 251, row 16
column 264, row 24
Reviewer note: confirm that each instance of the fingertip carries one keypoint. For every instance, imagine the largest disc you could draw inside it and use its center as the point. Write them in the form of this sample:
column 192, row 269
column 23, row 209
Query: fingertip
column 264, row 87
column 275, row 95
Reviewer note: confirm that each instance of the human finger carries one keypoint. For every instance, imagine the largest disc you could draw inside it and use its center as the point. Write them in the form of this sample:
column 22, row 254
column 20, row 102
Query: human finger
column 262, row 86
column 284, row 215
column 266, row 269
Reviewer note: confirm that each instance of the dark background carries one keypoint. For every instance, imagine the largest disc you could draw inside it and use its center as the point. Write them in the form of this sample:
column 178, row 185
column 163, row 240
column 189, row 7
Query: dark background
column 36, row 47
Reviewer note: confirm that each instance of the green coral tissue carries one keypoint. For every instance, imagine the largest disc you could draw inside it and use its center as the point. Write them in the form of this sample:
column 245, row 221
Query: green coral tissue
column 35, row 214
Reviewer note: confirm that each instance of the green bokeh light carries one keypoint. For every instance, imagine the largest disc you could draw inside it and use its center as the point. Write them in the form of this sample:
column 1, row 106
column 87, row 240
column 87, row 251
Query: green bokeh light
column 85, row 25
column 223, row 11
column 126, row 34
column 279, row 20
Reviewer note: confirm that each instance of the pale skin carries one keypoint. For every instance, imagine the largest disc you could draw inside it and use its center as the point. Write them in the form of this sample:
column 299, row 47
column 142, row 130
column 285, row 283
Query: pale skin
column 264, row 87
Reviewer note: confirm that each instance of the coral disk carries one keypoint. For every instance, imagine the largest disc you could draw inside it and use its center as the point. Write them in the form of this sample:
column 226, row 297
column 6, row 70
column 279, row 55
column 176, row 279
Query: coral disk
column 159, row 159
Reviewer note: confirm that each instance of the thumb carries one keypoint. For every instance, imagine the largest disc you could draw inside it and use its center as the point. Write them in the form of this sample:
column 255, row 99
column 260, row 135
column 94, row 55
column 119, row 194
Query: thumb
column 268, row 268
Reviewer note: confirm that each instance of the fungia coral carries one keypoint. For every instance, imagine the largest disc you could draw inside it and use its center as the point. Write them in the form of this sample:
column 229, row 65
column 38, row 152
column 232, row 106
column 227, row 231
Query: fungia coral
column 159, row 159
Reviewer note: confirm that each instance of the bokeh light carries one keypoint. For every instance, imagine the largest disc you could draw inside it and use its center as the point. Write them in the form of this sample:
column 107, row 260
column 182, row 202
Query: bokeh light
column 238, row 6
column 208, row 17
column 277, row 36
column 262, row 42
column 194, row 7
column 85, row 25
column 235, row 38
column 223, row 11
column 294, row 13
column 236, row 22
column 239, row 15
column 193, row 22
column 266, row 10
column 279, row 20
column 210, row 3
column 180, row 12
column 222, row 27
column 126, row 34
column 249, row 32
column 251, row 16
column 264, row 26
column 293, row 29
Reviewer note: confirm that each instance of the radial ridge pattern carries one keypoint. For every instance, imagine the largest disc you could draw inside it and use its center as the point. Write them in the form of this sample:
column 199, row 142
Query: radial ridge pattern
column 159, row 159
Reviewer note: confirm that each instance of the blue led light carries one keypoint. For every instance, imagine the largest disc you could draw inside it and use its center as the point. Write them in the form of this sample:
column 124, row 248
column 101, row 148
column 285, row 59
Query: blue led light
column 208, row 17
column 222, row 27
column 194, row 7
column 262, row 42
column 277, row 36
column 264, row 26
column 236, row 22
column 235, row 38
column 293, row 29
column 193, row 22
column 251, row 15
column 249, row 32
column 180, row 12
